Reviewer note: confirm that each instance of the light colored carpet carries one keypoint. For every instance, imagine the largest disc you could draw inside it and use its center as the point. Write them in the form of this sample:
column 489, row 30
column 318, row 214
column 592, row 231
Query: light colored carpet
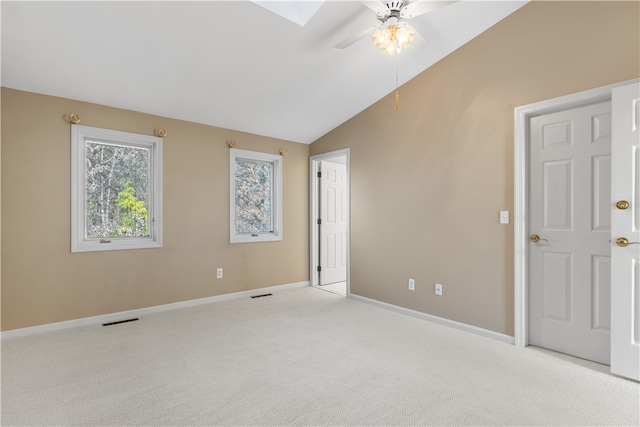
column 299, row 357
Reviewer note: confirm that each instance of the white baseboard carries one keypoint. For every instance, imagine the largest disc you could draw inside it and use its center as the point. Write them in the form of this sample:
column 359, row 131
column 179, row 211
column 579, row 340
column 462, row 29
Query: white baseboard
column 435, row 319
column 114, row 317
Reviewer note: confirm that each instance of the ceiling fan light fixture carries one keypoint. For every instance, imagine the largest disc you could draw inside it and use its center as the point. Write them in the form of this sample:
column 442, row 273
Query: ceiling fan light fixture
column 381, row 37
column 392, row 39
column 404, row 37
column 391, row 50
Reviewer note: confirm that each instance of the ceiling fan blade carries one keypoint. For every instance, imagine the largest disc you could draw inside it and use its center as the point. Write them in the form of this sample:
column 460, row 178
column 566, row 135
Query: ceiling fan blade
column 377, row 6
column 357, row 37
column 419, row 7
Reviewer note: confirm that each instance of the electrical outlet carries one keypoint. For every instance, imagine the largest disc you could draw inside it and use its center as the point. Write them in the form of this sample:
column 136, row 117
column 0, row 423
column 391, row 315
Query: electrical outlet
column 219, row 273
column 412, row 284
column 438, row 289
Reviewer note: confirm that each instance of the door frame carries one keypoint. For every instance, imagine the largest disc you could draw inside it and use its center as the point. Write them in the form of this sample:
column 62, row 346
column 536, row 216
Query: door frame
column 314, row 213
column 522, row 115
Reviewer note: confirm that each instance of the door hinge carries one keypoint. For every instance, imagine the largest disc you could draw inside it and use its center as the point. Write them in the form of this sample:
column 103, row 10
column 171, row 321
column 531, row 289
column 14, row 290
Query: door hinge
column 319, row 174
column 319, row 268
column 319, row 221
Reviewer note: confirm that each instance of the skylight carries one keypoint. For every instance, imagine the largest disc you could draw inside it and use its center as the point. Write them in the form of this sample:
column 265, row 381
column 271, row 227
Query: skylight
column 299, row 12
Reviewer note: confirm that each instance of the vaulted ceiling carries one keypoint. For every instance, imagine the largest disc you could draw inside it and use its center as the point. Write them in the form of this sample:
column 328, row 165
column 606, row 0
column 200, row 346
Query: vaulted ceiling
column 268, row 68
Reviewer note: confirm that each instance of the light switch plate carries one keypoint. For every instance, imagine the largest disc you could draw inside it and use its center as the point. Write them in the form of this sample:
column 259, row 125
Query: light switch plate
column 504, row 217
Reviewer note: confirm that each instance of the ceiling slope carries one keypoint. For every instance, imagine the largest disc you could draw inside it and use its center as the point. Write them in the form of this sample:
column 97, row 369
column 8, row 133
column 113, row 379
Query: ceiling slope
column 230, row 64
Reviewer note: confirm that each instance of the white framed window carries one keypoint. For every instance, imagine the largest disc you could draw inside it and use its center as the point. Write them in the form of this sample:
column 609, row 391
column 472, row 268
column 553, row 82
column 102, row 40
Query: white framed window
column 256, row 196
column 116, row 190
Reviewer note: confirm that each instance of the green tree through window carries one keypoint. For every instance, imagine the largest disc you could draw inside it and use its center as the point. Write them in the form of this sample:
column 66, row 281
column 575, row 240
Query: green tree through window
column 117, row 193
column 116, row 190
column 133, row 212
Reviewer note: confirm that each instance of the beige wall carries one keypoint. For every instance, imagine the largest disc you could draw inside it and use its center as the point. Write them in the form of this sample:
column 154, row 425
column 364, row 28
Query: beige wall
column 43, row 282
column 428, row 180
column 427, row 184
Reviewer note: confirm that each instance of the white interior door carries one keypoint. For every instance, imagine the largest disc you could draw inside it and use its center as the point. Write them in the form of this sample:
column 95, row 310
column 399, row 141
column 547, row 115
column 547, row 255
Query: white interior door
column 333, row 227
column 569, row 209
column 625, row 265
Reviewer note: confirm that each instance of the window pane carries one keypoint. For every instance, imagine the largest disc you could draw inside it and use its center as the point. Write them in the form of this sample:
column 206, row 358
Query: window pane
column 253, row 197
column 117, row 190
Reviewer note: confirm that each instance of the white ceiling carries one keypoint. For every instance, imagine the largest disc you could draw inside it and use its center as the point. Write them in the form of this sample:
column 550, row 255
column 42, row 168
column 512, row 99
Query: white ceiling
column 230, row 64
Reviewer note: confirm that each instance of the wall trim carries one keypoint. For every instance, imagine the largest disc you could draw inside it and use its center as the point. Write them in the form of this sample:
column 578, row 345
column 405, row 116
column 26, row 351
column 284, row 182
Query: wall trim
column 114, row 317
column 435, row 319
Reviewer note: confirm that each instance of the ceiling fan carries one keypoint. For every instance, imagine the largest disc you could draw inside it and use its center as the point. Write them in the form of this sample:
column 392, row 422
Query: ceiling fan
column 393, row 33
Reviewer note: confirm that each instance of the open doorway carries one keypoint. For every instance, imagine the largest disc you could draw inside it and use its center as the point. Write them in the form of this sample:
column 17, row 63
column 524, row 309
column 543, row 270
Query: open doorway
column 329, row 219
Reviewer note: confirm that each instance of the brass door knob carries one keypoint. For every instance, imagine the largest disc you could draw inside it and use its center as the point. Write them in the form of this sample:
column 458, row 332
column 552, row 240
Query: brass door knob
column 622, row 205
column 535, row 238
column 623, row 242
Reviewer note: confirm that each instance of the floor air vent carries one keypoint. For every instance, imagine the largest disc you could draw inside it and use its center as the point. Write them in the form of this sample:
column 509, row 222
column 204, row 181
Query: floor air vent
column 260, row 296
column 120, row 321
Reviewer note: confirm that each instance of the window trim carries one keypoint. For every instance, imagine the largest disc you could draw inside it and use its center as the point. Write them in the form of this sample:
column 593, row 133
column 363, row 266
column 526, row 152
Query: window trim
column 79, row 241
column 276, row 205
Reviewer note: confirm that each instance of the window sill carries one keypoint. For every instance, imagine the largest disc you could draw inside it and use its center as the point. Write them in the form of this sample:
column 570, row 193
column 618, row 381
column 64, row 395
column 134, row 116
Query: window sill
column 256, row 239
column 114, row 245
